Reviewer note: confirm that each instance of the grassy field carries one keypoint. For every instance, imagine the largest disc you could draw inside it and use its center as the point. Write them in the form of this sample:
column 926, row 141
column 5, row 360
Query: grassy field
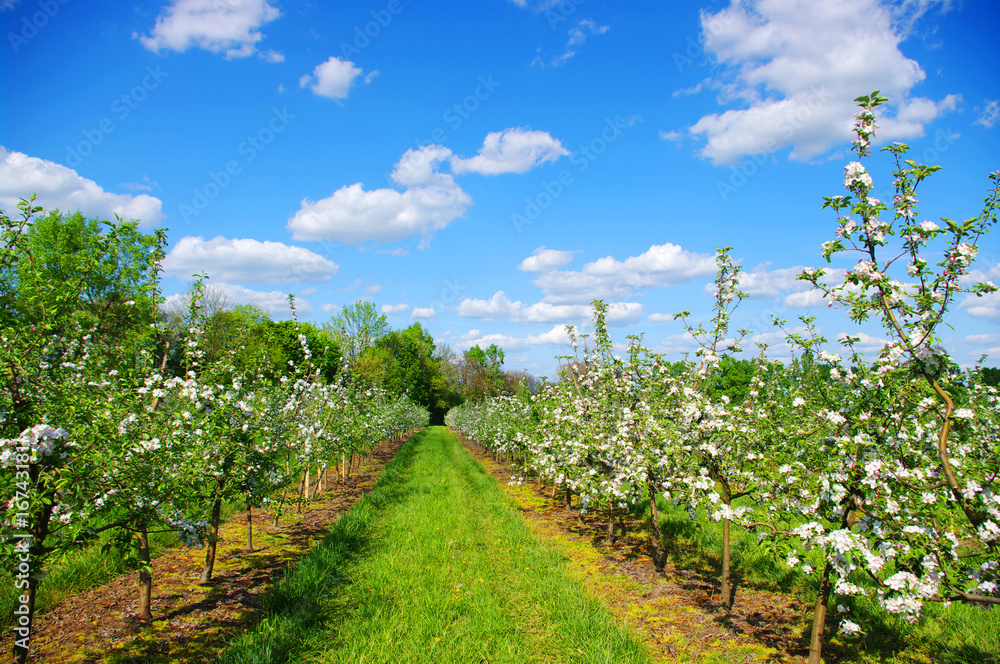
column 434, row 566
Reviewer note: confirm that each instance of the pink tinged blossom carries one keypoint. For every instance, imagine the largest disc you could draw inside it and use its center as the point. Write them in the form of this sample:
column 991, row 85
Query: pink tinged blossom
column 855, row 172
column 849, row 628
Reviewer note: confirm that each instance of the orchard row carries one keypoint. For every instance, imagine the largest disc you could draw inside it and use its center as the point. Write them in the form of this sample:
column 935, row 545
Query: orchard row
column 114, row 418
column 878, row 475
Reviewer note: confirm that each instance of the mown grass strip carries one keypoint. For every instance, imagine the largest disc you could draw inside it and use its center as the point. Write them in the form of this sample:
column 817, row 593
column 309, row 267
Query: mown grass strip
column 434, row 566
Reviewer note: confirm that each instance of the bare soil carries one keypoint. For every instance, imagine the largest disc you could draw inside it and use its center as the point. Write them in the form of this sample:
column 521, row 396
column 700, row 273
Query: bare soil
column 191, row 622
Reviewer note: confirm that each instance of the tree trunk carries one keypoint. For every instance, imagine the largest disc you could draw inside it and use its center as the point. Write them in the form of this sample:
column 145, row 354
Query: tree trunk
column 22, row 632
column 145, row 575
column 654, row 528
column 819, row 618
column 277, row 510
column 611, row 522
column 249, row 524
column 727, row 586
column 569, row 499
column 39, row 529
column 213, row 540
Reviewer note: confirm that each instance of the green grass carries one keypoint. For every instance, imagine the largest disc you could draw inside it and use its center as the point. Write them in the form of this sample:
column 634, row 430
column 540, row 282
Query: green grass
column 433, row 566
column 955, row 634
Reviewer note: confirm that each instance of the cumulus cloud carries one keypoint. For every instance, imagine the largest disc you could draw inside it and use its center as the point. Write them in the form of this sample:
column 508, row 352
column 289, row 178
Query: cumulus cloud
column 423, row 313
column 783, row 284
column 865, row 343
column 610, row 279
column 430, row 199
column 272, row 56
column 57, row 186
column 353, row 215
column 677, row 344
column 232, row 28
column 555, row 337
column 514, row 150
column 275, row 303
column 395, row 308
column 987, row 306
column 982, row 339
column 545, row 260
column 247, row 261
column 796, row 65
column 500, row 307
column 331, row 79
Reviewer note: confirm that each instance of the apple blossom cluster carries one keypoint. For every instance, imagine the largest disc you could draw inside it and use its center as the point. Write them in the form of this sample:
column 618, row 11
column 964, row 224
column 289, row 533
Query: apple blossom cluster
column 881, row 471
column 101, row 428
column 34, row 445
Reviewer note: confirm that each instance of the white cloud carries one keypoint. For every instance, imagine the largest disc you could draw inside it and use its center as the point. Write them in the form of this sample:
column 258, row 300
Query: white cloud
column 989, row 114
column 497, row 307
column 982, row 339
column 247, row 261
column 57, row 186
column 395, row 308
column 672, row 136
column 661, row 318
column 229, row 27
column 866, row 343
column 514, row 150
column 784, row 284
column 500, row 307
column 982, row 273
column 352, row 215
column 272, row 56
column 610, row 279
column 544, row 260
column 987, row 306
column 423, row 313
column 418, row 168
column 797, row 64
column 275, row 303
column 372, row 289
column 555, row 337
column 578, row 35
column 430, row 200
column 678, row 344
column 331, row 79
column 812, row 298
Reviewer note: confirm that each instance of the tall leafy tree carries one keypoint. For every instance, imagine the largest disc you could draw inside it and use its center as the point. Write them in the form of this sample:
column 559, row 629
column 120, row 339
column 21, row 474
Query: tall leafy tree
column 356, row 328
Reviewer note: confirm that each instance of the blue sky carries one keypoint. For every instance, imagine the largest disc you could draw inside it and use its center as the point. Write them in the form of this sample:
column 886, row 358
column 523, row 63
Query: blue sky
column 488, row 168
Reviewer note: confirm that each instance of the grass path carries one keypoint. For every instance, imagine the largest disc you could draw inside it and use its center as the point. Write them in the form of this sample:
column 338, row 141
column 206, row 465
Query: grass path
column 434, row 566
